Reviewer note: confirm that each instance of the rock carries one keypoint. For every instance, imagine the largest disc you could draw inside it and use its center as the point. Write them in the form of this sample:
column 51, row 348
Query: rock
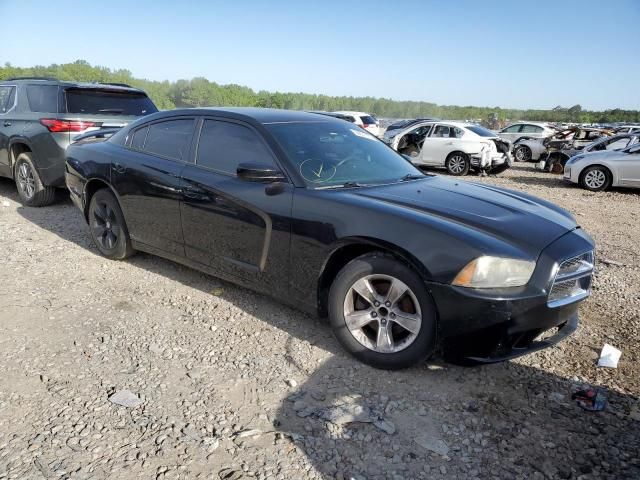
column 125, row 398
column 291, row 382
column 155, row 348
column 385, row 425
column 432, row 444
column 254, row 432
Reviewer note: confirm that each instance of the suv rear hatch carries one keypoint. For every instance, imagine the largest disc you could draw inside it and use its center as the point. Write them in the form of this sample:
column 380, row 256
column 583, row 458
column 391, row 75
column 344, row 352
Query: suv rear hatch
column 85, row 109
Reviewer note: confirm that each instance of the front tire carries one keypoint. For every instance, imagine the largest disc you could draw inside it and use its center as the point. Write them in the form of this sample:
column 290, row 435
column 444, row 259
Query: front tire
column 381, row 313
column 595, row 179
column 108, row 227
column 457, row 164
column 31, row 190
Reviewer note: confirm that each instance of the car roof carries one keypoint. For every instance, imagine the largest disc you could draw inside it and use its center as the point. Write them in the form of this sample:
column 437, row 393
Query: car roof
column 69, row 84
column 260, row 115
column 349, row 112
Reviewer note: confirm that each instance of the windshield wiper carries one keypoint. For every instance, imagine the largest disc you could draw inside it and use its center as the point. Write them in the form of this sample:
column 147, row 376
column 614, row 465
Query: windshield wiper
column 341, row 185
column 411, row 176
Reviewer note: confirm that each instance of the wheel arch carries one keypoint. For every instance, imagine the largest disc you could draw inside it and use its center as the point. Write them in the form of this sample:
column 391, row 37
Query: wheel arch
column 18, row 146
column 90, row 189
column 352, row 248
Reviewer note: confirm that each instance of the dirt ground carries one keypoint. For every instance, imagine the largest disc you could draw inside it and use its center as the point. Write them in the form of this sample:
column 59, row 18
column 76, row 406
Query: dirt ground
column 235, row 385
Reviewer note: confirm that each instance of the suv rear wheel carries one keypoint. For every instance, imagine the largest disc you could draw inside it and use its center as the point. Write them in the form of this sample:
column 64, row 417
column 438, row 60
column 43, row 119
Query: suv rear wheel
column 30, row 188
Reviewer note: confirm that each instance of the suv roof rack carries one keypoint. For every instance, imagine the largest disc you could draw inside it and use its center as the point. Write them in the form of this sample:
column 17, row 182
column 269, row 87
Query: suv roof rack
column 49, row 79
column 116, row 84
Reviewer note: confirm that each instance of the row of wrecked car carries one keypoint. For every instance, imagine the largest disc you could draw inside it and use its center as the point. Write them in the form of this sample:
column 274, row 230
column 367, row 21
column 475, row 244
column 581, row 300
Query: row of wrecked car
column 595, row 158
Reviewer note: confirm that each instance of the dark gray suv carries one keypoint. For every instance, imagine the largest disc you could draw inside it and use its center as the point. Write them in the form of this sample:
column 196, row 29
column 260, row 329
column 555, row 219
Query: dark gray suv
column 39, row 117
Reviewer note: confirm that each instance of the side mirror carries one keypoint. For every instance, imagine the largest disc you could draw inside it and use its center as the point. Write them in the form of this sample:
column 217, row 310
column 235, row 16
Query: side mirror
column 260, row 172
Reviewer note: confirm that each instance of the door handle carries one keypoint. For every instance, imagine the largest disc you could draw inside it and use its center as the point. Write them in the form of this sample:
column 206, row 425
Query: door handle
column 195, row 193
column 118, row 168
column 7, row 123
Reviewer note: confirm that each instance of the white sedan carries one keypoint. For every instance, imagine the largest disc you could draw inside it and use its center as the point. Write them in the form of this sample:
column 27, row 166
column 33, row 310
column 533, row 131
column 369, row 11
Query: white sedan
column 598, row 171
column 456, row 146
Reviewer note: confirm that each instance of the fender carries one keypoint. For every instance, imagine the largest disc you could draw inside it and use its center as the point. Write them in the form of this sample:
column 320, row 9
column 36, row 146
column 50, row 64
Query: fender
column 19, row 139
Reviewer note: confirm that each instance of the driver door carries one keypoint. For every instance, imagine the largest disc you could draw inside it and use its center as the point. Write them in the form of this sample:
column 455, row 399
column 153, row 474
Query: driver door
column 236, row 227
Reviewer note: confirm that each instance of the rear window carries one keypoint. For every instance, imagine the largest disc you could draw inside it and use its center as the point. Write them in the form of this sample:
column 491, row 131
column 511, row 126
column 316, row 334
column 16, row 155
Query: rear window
column 43, row 98
column 108, row 102
column 478, row 130
column 368, row 120
column 170, row 139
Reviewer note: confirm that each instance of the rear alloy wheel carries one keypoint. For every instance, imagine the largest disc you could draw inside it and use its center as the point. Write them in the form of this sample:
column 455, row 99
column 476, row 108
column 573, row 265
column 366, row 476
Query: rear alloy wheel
column 31, row 191
column 381, row 313
column 595, row 179
column 108, row 228
column 523, row 153
column 457, row 164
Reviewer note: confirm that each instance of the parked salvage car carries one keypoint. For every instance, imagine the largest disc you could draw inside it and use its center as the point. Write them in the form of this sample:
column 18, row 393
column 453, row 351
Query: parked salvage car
column 516, row 131
column 560, row 150
column 364, row 120
column 40, row 116
column 327, row 218
column 406, row 124
column 528, row 149
column 459, row 147
column 600, row 170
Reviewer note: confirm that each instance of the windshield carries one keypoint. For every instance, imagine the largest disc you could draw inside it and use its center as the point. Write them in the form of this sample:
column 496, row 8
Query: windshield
column 478, row 130
column 108, row 102
column 332, row 153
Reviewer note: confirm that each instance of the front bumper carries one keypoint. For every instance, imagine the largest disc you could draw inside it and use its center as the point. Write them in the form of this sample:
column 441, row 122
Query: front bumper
column 496, row 325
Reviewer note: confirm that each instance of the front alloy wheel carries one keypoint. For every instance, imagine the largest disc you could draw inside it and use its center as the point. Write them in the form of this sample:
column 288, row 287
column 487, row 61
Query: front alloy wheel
column 381, row 312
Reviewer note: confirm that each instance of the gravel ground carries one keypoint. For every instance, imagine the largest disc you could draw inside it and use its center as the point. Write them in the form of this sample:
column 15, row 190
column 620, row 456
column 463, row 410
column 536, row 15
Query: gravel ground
column 234, row 385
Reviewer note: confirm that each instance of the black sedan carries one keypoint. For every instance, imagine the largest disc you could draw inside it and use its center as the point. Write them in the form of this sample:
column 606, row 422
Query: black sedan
column 325, row 217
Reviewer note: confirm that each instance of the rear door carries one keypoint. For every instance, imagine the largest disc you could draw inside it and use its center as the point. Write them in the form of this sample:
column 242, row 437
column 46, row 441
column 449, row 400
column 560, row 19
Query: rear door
column 7, row 104
column 232, row 225
column 147, row 179
column 438, row 145
column 629, row 167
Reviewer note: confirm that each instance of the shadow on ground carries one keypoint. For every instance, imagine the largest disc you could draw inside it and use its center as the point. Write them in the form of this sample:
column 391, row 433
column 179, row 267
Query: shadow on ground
column 433, row 421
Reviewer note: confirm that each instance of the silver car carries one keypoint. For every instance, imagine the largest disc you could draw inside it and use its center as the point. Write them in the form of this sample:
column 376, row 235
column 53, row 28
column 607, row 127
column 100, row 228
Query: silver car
column 598, row 171
column 516, row 131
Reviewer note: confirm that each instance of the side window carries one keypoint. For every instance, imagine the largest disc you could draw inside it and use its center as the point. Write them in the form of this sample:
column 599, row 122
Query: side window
column 7, row 98
column 458, row 132
column 139, row 136
column 43, row 98
column 531, row 129
column 224, row 145
column 440, row 131
column 170, row 139
column 513, row 129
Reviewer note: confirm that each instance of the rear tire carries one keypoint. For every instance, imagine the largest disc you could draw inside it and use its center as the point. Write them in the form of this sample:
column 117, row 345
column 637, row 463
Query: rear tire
column 595, row 179
column 522, row 153
column 457, row 164
column 108, row 227
column 31, row 190
column 392, row 335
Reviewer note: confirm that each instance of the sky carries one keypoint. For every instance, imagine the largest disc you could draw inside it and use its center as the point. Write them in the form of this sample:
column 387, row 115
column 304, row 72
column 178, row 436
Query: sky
column 512, row 54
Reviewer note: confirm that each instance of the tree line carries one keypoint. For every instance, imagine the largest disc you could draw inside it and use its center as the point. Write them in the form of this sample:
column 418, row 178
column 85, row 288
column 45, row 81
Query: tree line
column 198, row 92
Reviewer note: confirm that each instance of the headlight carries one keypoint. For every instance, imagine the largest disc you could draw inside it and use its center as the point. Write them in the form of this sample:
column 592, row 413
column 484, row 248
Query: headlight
column 495, row 272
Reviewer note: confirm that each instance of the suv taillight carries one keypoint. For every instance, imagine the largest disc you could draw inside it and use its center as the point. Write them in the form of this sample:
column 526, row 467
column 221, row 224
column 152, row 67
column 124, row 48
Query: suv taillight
column 61, row 126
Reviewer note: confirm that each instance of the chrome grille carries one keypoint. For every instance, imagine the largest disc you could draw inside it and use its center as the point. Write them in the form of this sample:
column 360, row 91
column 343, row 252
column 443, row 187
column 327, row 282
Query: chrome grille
column 572, row 281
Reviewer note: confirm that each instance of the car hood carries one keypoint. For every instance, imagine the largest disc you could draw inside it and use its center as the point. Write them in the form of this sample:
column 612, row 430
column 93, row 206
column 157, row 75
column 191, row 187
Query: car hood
column 526, row 222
